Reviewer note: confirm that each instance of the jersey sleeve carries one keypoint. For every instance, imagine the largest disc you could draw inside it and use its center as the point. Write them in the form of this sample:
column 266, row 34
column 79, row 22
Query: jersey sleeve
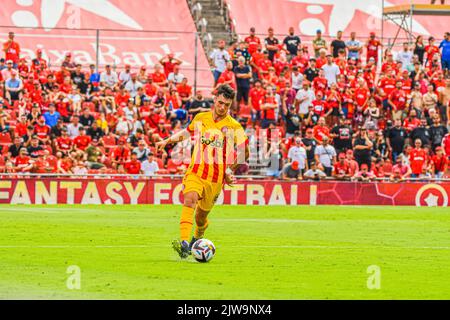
column 197, row 119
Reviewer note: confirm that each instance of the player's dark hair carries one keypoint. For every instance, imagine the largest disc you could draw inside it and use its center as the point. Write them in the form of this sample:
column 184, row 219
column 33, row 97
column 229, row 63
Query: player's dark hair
column 226, row 91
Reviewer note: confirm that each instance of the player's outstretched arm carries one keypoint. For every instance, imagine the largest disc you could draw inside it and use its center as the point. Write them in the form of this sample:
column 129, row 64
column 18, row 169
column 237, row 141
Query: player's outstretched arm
column 177, row 137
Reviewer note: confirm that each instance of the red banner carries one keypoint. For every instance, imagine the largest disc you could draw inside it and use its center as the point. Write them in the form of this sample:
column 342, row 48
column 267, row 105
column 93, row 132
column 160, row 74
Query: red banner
column 167, row 191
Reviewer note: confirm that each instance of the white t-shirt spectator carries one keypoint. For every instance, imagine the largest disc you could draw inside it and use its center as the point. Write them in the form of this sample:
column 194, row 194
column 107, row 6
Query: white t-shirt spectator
column 149, row 168
column 298, row 153
column 73, row 130
column 325, row 154
column 220, row 59
column 405, row 57
column 175, row 78
column 331, row 73
column 297, row 81
column 310, row 97
column 132, row 87
column 109, row 79
column 125, row 76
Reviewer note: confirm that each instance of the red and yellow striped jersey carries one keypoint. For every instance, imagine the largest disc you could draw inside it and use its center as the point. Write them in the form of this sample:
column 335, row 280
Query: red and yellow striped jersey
column 217, row 146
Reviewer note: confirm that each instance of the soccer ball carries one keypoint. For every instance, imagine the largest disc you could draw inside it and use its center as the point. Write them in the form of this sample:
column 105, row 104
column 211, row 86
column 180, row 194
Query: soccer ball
column 203, row 250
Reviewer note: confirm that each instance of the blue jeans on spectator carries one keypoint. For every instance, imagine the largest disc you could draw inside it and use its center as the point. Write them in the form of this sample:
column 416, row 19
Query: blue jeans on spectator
column 265, row 123
column 445, row 64
column 395, row 156
column 216, row 74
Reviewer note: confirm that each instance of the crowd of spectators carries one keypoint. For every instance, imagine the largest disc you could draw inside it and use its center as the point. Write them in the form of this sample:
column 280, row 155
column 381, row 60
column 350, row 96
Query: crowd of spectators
column 346, row 110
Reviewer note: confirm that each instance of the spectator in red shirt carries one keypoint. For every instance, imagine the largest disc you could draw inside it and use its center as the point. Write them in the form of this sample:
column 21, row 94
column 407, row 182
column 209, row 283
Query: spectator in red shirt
column 22, row 163
column 341, row 169
column 418, row 159
column 120, row 154
column 11, row 49
column 439, row 163
column 82, row 141
column 169, row 62
column 64, row 143
column 42, row 131
column 134, row 165
column 253, row 42
column 321, row 130
column 398, row 101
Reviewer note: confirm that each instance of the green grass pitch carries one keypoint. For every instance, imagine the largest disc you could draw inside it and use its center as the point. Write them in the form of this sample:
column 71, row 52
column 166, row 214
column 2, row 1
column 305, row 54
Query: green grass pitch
column 124, row 252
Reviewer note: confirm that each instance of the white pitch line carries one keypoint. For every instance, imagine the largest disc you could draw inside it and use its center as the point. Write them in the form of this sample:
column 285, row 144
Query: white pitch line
column 237, row 247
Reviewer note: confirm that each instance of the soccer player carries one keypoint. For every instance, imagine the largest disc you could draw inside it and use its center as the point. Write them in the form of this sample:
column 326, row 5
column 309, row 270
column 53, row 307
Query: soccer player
column 221, row 146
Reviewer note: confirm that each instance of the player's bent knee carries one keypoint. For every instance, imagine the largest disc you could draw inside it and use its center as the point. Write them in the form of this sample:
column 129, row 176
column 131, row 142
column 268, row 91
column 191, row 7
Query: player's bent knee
column 190, row 199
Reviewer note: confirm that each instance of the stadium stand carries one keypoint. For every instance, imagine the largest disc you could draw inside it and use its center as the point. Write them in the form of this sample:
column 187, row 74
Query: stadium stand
column 341, row 109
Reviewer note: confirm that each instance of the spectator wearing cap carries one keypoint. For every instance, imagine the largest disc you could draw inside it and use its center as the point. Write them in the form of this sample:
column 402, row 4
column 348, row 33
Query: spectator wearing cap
column 219, row 58
column 253, row 41
column 7, row 71
column 337, row 45
column 13, row 88
column 133, row 85
column 318, row 43
column 11, row 49
column 109, row 77
column 362, row 147
column 292, row 172
column 51, row 116
column 38, row 61
column 67, row 62
column 342, row 134
column 125, row 75
column 325, row 155
column 149, row 166
column 354, row 47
